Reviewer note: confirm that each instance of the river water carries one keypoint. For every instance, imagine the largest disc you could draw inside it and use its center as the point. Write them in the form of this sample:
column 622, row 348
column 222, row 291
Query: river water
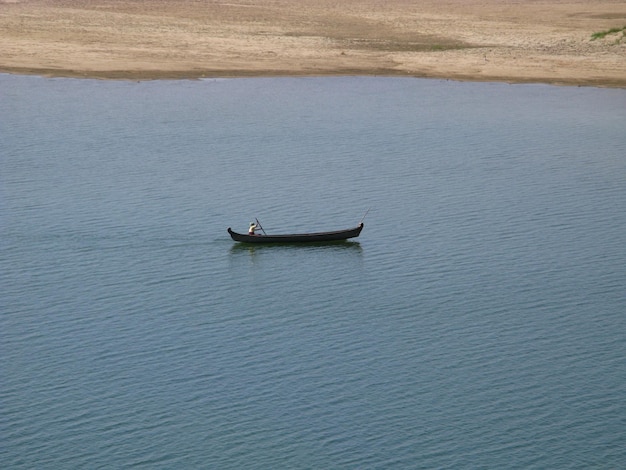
column 479, row 321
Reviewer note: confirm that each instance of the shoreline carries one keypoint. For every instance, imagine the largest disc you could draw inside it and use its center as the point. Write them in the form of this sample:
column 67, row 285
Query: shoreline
column 193, row 75
column 547, row 42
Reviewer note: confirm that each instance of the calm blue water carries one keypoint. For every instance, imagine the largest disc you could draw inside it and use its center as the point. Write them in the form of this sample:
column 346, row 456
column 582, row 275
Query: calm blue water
column 478, row 322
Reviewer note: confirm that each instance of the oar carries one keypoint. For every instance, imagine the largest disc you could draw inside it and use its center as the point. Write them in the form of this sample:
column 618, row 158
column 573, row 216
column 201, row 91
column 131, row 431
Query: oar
column 363, row 218
column 260, row 226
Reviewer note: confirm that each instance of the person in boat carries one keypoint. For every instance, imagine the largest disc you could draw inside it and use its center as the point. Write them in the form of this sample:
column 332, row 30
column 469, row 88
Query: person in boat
column 252, row 228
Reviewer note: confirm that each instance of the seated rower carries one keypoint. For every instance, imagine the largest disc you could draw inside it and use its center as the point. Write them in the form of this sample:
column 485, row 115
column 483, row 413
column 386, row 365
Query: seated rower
column 252, row 228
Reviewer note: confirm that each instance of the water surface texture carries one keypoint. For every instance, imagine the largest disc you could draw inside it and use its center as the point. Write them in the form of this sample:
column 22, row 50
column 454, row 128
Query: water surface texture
column 479, row 321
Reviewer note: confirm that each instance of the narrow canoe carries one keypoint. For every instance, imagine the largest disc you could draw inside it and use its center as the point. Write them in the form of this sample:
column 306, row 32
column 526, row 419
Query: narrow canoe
column 298, row 237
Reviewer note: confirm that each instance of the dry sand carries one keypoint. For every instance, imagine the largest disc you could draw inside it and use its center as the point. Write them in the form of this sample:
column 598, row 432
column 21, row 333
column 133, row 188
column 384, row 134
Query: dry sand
column 548, row 41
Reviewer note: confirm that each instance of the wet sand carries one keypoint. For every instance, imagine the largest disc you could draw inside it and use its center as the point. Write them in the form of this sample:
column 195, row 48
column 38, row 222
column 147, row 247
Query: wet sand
column 489, row 40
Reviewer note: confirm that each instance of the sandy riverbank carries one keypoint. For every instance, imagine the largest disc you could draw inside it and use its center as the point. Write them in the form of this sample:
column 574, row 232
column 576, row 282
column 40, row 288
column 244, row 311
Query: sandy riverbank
column 547, row 41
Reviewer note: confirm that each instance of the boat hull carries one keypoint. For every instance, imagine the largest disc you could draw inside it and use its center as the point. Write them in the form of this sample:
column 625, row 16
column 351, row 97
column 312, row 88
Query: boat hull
column 318, row 237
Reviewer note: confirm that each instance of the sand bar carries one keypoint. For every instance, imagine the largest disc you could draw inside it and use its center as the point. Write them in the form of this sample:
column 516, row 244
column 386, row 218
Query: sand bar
column 543, row 41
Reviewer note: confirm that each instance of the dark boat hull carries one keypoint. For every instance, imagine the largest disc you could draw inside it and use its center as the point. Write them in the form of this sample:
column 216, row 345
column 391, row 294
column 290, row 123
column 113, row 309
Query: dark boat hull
column 318, row 237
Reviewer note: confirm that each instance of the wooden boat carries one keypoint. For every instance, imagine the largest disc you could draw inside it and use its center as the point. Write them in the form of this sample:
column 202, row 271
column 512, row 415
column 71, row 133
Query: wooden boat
column 298, row 237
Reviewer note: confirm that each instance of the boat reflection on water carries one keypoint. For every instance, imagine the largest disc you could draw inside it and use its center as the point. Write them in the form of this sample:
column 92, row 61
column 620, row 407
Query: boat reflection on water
column 343, row 246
